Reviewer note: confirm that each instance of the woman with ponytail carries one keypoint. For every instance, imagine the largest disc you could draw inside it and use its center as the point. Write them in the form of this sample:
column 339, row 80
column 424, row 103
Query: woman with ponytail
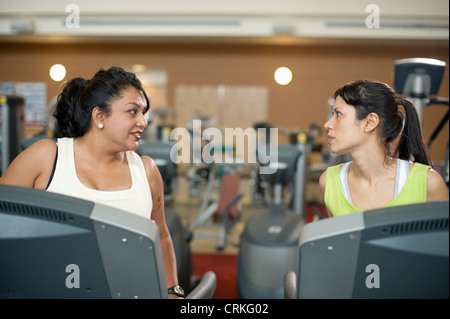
column 99, row 123
column 390, row 165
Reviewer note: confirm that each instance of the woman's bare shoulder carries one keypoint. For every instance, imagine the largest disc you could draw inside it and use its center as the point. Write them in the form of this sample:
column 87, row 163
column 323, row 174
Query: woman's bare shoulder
column 33, row 165
column 436, row 187
column 43, row 150
column 45, row 144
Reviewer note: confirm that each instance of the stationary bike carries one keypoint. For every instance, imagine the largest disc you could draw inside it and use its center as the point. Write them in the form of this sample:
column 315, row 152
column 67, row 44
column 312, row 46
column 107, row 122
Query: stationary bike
column 269, row 241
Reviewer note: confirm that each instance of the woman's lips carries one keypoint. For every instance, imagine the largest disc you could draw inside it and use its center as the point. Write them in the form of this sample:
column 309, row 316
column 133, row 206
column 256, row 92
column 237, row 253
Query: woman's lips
column 137, row 135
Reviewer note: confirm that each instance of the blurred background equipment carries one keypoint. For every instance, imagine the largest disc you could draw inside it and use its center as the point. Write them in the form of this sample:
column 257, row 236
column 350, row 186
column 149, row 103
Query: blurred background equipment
column 268, row 241
column 419, row 79
column 161, row 122
column 12, row 128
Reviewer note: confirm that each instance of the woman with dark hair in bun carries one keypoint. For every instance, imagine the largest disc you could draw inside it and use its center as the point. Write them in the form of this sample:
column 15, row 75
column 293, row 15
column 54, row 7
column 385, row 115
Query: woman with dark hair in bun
column 99, row 125
column 390, row 165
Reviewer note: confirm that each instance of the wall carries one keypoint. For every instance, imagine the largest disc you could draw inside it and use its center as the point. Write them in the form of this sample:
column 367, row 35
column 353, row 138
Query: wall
column 318, row 70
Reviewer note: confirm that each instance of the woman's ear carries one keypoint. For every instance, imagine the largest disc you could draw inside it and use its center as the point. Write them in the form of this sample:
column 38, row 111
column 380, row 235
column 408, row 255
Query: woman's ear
column 372, row 120
column 97, row 116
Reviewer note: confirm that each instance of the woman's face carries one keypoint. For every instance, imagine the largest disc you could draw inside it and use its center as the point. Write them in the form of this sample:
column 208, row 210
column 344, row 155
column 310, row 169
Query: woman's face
column 345, row 132
column 126, row 122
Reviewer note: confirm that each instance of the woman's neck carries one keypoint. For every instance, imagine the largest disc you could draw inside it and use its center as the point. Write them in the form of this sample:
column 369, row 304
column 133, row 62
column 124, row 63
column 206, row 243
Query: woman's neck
column 93, row 147
column 372, row 166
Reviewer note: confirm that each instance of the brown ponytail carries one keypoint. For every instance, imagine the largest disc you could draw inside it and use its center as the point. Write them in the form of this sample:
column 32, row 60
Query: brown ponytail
column 411, row 142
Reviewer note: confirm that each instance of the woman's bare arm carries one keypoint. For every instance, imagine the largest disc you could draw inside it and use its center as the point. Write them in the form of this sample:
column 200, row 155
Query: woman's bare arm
column 158, row 215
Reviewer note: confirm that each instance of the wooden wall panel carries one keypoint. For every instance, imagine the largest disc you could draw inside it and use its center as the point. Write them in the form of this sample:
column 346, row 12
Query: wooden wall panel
column 228, row 106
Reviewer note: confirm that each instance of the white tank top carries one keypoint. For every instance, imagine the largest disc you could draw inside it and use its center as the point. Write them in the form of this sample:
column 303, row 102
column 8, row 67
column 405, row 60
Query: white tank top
column 136, row 200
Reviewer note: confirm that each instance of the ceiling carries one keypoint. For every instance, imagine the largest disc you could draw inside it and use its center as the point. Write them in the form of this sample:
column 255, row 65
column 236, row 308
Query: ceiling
column 225, row 21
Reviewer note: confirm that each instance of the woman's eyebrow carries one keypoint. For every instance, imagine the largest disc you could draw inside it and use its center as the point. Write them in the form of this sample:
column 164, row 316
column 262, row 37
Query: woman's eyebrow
column 136, row 104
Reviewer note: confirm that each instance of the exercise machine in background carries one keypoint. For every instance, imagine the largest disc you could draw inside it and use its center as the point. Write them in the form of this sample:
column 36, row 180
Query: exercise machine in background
column 161, row 123
column 419, row 79
column 262, row 191
column 48, row 127
column 198, row 172
column 269, row 240
column 398, row 252
column 12, row 115
column 220, row 207
column 61, row 247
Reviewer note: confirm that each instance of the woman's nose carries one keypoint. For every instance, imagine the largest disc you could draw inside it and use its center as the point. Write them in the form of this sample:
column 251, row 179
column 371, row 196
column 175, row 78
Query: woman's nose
column 143, row 121
column 327, row 125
